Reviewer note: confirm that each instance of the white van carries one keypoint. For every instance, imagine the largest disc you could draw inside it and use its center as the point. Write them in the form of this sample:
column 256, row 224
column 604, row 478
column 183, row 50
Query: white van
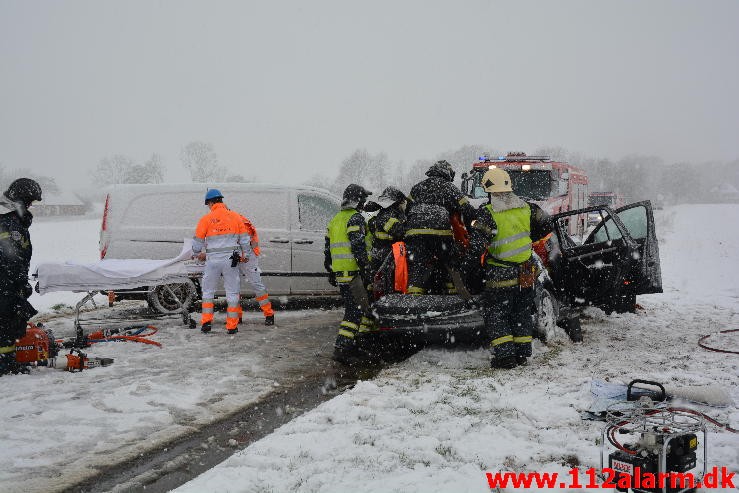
column 151, row 221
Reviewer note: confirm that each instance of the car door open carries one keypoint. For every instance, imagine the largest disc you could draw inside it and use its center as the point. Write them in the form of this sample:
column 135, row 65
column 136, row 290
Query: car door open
column 638, row 219
column 590, row 271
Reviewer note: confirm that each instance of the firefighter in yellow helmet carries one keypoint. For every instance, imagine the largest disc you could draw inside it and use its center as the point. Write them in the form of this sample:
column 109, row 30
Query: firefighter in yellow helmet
column 501, row 235
column 347, row 262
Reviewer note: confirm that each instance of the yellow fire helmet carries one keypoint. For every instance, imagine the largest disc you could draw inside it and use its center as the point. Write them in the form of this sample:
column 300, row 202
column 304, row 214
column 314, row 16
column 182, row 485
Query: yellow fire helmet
column 496, row 180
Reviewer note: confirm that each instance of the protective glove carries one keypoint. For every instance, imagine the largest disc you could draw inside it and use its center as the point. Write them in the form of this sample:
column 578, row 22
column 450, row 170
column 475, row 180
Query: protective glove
column 332, row 279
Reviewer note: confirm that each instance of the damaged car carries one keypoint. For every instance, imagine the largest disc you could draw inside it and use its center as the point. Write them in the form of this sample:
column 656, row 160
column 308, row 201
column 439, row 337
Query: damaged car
column 606, row 267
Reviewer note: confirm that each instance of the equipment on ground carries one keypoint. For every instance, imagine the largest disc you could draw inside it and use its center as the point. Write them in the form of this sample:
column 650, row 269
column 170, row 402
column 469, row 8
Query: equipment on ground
column 644, row 441
column 38, row 347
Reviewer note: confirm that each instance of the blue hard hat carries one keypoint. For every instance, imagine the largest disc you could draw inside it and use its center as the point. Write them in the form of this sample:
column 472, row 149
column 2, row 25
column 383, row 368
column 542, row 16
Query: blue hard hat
column 213, row 193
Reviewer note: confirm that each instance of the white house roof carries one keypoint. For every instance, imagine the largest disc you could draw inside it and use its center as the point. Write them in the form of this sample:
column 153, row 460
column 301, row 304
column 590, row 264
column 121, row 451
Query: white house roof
column 60, row 198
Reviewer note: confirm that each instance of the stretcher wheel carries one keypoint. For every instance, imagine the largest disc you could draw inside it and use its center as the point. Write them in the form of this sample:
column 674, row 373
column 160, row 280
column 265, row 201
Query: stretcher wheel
column 171, row 298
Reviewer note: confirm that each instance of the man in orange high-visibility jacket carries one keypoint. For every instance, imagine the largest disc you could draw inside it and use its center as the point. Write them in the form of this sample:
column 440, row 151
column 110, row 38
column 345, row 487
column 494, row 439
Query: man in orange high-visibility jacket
column 250, row 270
column 222, row 241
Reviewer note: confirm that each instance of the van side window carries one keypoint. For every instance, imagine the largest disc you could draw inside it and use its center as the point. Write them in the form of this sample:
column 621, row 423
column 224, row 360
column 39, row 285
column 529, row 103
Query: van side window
column 315, row 212
column 265, row 209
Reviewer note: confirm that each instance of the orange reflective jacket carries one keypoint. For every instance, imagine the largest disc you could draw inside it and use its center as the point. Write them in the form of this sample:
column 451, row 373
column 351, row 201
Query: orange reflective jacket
column 252, row 232
column 223, row 229
column 401, row 267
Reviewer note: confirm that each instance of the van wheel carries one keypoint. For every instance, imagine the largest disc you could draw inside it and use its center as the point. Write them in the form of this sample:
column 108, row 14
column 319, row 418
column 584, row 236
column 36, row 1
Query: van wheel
column 170, row 298
column 546, row 317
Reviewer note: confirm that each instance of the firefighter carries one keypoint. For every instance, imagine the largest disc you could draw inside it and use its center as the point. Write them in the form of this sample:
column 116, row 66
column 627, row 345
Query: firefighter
column 250, row 270
column 222, row 241
column 503, row 233
column 347, row 262
column 15, row 259
column 429, row 238
column 387, row 227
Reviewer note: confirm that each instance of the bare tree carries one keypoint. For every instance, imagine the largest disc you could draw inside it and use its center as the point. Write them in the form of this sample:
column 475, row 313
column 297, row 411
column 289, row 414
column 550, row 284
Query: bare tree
column 200, row 159
column 113, row 170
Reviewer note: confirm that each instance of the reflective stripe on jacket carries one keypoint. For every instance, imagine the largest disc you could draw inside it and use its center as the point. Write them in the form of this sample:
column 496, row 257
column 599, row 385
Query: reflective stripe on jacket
column 223, row 229
column 338, row 231
column 512, row 243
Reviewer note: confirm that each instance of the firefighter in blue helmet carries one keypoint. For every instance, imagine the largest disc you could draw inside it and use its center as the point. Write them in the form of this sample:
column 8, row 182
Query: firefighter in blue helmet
column 15, row 259
column 347, row 262
column 502, row 234
column 428, row 231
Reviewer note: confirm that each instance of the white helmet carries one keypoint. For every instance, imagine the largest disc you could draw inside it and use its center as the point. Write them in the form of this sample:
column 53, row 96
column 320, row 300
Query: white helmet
column 496, row 180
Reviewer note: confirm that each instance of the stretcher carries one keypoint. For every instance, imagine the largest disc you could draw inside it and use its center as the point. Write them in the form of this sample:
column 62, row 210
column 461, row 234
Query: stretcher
column 118, row 274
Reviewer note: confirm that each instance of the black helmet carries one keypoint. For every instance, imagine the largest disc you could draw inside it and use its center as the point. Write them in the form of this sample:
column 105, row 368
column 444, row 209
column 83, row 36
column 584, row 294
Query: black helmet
column 24, row 190
column 354, row 195
column 390, row 195
column 441, row 169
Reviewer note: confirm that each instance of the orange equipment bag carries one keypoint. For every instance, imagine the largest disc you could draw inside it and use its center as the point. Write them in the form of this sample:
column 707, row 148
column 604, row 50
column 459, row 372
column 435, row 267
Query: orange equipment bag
column 461, row 236
column 401, row 267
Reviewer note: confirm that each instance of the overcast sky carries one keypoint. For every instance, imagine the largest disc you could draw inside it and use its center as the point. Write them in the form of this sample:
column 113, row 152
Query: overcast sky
column 287, row 89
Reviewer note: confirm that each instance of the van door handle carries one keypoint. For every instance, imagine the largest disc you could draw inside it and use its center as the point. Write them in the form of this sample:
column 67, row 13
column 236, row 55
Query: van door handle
column 303, row 241
column 279, row 240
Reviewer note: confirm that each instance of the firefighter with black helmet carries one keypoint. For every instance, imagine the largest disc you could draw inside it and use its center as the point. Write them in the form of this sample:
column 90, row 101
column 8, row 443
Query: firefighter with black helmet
column 502, row 234
column 346, row 260
column 387, row 227
column 429, row 238
column 15, row 260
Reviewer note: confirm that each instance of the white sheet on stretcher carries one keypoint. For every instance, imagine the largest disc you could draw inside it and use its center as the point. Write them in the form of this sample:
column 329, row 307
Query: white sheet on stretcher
column 112, row 274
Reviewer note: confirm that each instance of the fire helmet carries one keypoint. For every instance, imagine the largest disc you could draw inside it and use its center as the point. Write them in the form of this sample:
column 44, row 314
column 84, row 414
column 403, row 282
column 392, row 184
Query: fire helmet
column 496, row 180
column 24, row 190
column 354, row 195
column 441, row 169
column 390, row 196
column 212, row 193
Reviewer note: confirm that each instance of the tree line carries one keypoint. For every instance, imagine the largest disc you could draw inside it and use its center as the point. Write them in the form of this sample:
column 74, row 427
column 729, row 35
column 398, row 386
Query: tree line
column 636, row 177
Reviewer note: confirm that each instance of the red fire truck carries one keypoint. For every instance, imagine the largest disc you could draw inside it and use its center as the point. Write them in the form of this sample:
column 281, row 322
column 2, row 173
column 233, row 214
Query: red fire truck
column 554, row 186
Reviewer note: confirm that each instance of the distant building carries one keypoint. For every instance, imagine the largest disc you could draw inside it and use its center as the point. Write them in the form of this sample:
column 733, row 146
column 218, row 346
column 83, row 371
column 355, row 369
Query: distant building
column 726, row 193
column 59, row 204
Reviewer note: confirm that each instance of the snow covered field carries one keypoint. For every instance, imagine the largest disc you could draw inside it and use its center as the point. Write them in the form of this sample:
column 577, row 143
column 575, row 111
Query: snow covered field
column 443, row 418
column 436, row 422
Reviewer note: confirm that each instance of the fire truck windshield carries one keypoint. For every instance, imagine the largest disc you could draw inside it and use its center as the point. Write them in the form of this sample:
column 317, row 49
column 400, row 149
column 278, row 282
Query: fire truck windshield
column 532, row 185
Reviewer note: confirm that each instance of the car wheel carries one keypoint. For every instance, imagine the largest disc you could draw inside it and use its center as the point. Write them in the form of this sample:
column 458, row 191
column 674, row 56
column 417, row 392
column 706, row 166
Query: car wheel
column 546, row 317
column 170, row 298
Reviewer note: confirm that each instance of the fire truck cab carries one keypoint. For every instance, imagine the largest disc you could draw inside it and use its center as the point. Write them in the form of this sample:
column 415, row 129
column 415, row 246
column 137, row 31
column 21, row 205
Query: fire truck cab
column 552, row 185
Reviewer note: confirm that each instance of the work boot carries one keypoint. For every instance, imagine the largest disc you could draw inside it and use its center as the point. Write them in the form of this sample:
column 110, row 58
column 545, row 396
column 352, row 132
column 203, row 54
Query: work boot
column 9, row 365
column 269, row 320
column 346, row 351
column 232, row 331
column 205, row 328
column 505, row 363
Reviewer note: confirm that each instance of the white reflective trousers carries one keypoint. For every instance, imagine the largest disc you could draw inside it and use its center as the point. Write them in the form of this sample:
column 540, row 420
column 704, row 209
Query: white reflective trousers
column 216, row 265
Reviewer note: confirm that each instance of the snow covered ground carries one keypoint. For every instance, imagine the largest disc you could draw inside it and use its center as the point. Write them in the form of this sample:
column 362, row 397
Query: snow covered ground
column 436, row 422
column 440, row 420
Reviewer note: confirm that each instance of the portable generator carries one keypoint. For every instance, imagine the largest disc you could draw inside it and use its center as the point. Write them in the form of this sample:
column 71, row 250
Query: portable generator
column 654, row 448
column 37, row 347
